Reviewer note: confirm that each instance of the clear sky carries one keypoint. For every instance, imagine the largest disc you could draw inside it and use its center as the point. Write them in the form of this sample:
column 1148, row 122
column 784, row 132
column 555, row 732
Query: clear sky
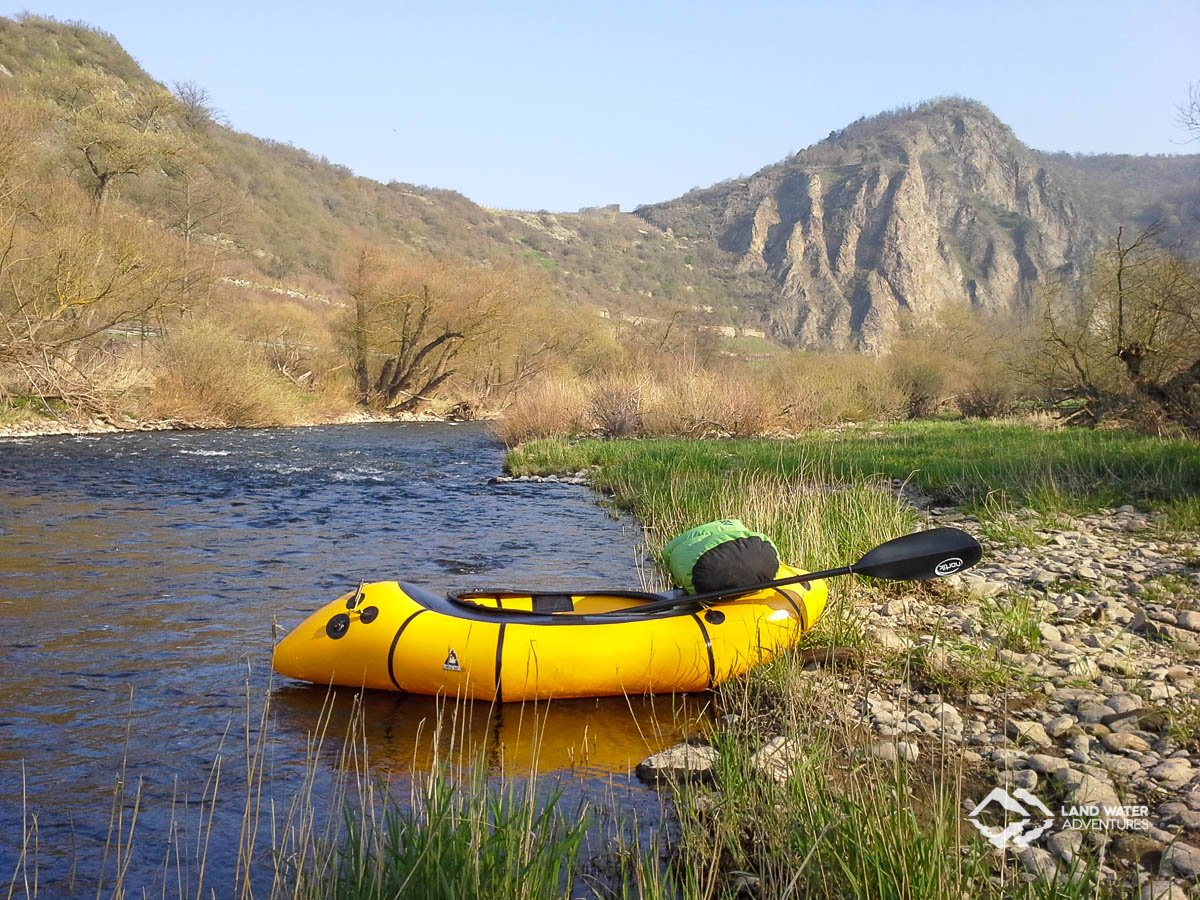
column 559, row 105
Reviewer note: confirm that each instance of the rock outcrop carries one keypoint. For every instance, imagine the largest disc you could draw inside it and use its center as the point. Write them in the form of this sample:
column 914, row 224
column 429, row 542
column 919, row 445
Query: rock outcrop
column 904, row 213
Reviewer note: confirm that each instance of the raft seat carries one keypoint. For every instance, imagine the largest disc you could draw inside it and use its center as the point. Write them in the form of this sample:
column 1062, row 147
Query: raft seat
column 552, row 603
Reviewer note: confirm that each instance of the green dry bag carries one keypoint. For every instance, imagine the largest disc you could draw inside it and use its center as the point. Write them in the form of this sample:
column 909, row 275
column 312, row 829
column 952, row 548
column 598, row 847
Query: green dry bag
column 721, row 555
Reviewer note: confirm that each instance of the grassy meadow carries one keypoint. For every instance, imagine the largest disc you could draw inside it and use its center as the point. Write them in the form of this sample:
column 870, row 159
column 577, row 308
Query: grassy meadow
column 988, row 466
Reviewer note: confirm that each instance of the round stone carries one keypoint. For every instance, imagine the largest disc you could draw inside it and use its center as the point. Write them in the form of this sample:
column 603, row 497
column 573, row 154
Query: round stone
column 1120, row 742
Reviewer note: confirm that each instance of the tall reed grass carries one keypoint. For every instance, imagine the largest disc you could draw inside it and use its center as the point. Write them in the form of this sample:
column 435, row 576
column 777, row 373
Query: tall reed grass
column 829, row 820
column 451, row 829
column 209, row 376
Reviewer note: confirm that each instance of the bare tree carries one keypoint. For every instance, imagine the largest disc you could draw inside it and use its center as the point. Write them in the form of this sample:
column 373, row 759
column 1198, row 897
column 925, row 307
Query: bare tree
column 201, row 211
column 1131, row 337
column 196, row 110
column 416, row 319
column 68, row 289
column 1189, row 112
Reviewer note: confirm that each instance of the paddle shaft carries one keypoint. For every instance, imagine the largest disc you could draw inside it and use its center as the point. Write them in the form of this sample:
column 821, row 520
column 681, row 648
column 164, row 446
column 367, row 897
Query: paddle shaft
column 669, row 602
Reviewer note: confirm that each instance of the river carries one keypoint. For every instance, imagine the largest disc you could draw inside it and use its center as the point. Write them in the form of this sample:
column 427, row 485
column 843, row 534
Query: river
column 141, row 576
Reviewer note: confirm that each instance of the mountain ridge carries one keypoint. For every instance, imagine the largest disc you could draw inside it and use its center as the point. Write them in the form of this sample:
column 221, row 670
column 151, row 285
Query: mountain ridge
column 901, row 214
column 892, row 217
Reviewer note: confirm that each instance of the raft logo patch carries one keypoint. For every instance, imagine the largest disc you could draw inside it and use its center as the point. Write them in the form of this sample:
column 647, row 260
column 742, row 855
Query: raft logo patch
column 948, row 566
column 451, row 663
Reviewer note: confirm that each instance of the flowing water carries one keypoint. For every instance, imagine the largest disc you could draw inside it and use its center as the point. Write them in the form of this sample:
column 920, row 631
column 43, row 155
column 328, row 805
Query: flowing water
column 140, row 578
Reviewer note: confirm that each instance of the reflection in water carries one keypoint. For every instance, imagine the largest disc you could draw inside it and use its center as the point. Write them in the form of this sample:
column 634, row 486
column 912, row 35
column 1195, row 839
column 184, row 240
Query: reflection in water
column 406, row 732
column 140, row 577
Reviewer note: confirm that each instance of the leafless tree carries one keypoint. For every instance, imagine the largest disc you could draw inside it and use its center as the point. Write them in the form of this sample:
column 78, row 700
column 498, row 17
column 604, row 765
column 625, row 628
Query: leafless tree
column 1131, row 337
column 1189, row 112
column 417, row 319
column 196, row 110
column 117, row 130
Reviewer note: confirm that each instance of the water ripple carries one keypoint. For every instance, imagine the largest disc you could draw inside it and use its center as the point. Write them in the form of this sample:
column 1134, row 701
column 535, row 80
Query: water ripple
column 140, row 575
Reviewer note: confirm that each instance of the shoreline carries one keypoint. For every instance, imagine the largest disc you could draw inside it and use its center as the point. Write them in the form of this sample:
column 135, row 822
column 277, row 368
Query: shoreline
column 48, row 427
column 1065, row 665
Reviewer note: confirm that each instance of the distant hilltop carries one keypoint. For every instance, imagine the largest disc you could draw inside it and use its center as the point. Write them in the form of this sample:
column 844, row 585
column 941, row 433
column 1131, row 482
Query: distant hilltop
column 915, row 209
column 897, row 215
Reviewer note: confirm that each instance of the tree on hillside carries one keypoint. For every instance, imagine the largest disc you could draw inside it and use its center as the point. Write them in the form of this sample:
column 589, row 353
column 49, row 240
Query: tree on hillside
column 69, row 276
column 196, row 110
column 1189, row 112
column 64, row 285
column 202, row 211
column 116, row 130
column 413, row 321
column 1130, row 340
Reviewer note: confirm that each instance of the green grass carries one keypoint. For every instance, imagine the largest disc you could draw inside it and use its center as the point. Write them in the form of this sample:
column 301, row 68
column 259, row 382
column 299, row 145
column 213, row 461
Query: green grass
column 23, row 410
column 958, row 668
column 455, row 839
column 968, row 462
column 1014, row 620
column 840, row 825
column 1182, row 514
column 810, row 837
column 1168, row 589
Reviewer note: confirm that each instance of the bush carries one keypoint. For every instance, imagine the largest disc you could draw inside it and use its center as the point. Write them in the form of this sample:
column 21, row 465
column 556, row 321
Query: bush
column 980, row 401
column 815, row 390
column 208, row 376
column 556, row 407
column 920, row 382
column 699, row 403
column 616, row 406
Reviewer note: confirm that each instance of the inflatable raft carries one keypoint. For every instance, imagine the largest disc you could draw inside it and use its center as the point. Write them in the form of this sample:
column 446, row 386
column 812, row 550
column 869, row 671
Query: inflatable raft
column 509, row 646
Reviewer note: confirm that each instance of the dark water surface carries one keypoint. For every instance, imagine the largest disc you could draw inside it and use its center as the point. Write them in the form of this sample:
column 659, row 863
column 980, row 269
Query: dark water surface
column 139, row 578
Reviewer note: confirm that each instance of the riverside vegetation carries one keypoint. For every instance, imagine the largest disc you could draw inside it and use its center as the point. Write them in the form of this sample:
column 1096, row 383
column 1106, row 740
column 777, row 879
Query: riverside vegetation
column 1067, row 663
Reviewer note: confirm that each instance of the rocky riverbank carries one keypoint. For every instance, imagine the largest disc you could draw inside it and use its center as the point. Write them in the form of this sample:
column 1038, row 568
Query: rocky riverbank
column 46, row 426
column 1068, row 669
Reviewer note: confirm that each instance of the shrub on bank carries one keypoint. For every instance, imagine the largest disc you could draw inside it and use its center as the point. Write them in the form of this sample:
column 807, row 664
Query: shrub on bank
column 983, row 401
column 555, row 407
column 700, row 403
column 814, row 390
column 962, row 361
column 615, row 406
column 208, row 376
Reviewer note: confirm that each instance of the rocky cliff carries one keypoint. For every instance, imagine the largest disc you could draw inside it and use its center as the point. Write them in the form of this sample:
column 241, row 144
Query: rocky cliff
column 908, row 211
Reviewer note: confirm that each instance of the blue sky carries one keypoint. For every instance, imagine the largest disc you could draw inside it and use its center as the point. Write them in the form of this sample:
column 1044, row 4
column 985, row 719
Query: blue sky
column 560, row 105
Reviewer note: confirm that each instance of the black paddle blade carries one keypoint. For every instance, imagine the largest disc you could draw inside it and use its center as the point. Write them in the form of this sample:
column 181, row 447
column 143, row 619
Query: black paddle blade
column 926, row 554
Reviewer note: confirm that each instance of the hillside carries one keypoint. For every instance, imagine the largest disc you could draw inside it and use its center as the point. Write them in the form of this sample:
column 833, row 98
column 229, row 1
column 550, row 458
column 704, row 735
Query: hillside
column 907, row 211
column 914, row 210
column 293, row 216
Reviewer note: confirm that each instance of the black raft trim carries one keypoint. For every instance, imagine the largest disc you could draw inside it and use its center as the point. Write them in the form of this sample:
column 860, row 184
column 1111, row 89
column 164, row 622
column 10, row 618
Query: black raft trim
column 712, row 663
column 395, row 641
column 500, row 660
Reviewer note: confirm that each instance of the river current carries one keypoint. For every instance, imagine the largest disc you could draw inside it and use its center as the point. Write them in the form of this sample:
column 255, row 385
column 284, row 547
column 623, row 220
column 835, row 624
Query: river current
column 141, row 577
